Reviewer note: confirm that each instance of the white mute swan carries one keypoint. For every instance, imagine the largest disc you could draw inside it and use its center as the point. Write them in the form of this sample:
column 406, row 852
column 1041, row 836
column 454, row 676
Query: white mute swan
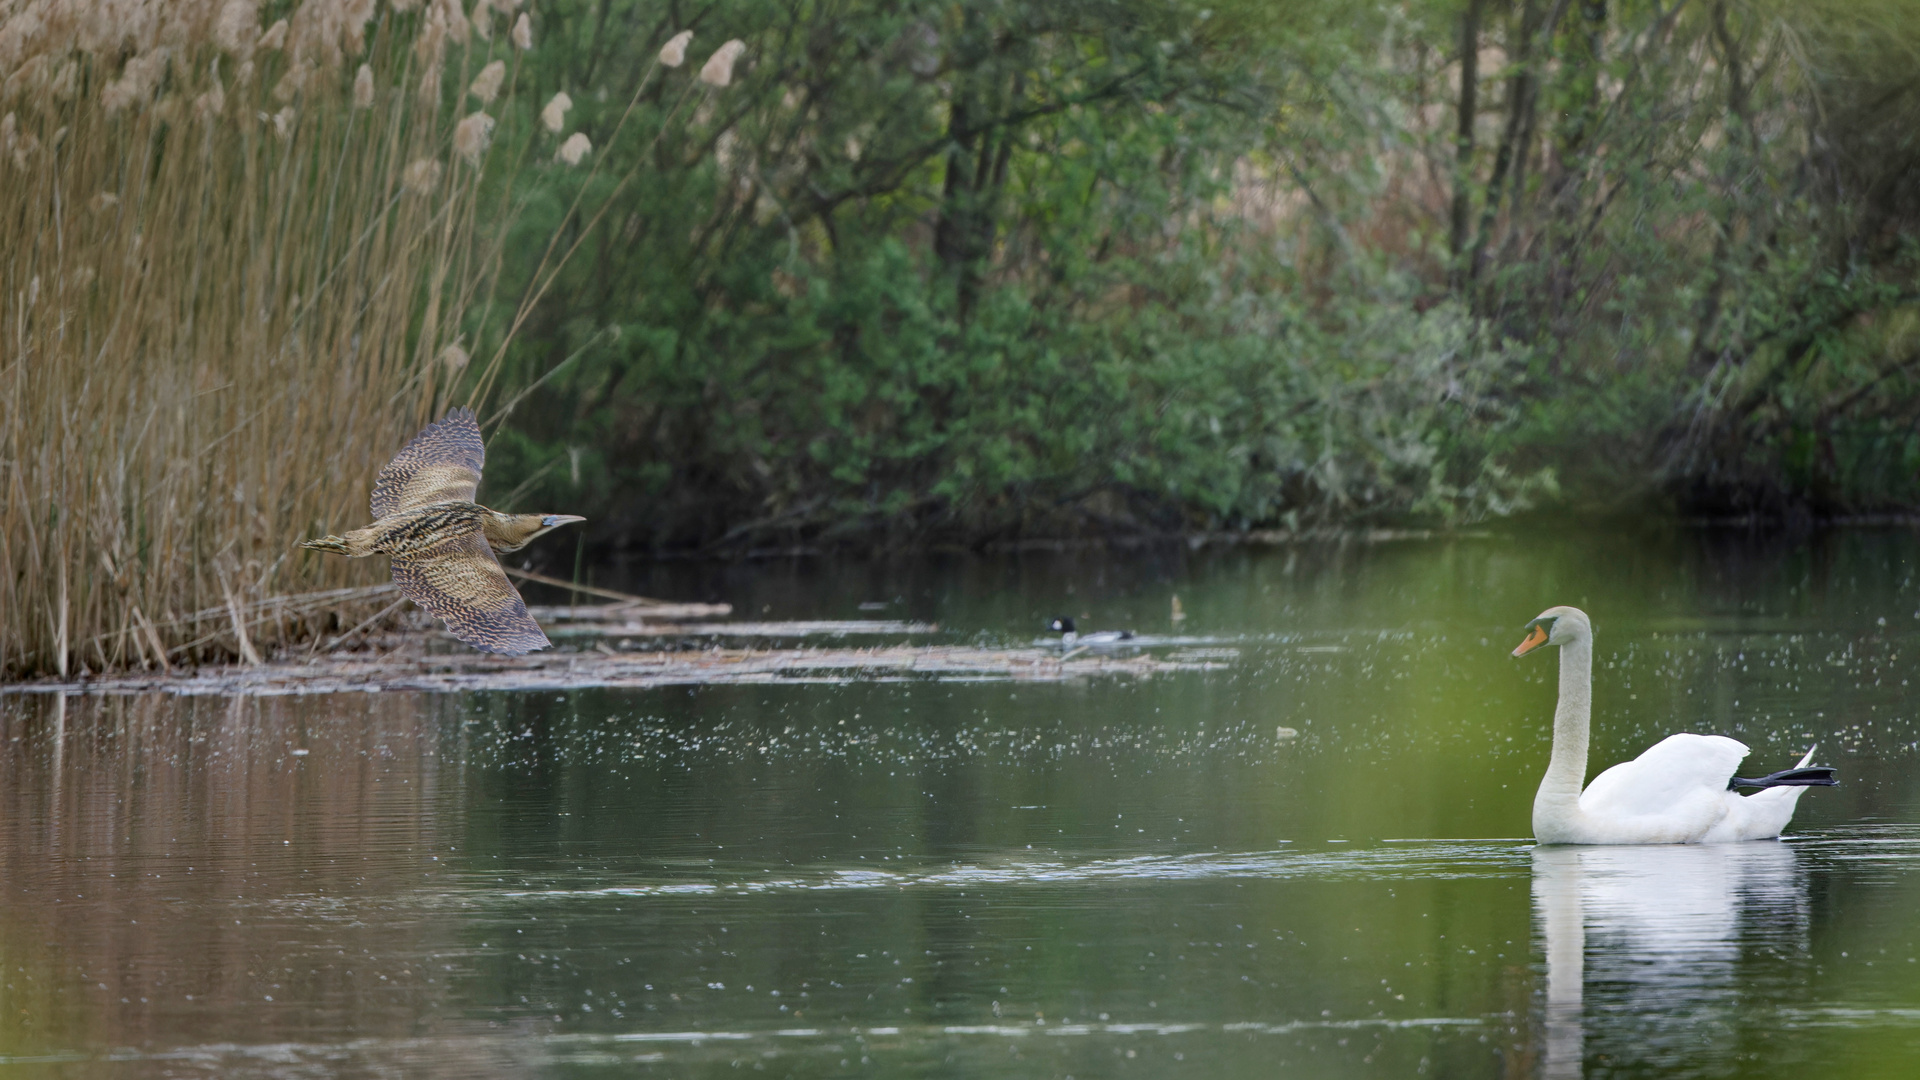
column 1679, row 792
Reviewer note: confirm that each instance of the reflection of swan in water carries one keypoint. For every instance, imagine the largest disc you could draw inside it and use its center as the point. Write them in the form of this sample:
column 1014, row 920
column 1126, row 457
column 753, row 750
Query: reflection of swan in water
column 1644, row 945
column 1679, row 792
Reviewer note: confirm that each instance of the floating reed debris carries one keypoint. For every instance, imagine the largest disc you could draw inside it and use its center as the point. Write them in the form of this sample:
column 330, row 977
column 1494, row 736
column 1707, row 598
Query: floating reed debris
column 412, row 669
column 631, row 622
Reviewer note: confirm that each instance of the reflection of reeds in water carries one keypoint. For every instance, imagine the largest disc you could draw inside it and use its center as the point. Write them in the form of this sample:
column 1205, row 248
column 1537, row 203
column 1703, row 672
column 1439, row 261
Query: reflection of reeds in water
column 225, row 255
column 177, row 875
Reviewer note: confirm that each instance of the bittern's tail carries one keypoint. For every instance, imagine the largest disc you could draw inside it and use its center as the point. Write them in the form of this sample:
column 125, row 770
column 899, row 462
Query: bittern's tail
column 335, row 544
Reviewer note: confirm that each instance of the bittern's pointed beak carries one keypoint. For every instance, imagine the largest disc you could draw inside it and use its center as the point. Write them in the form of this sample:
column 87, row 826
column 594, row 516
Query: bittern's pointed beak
column 1536, row 637
column 554, row 521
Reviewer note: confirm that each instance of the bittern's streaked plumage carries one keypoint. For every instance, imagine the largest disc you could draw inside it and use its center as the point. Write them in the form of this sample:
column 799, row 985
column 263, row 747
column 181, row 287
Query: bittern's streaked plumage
column 442, row 543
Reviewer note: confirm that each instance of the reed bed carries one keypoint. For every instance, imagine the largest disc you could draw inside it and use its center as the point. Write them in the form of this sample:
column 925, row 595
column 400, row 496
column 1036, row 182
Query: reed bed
column 234, row 264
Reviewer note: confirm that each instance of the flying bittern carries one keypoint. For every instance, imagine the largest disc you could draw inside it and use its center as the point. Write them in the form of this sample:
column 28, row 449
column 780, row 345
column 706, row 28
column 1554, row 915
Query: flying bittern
column 442, row 543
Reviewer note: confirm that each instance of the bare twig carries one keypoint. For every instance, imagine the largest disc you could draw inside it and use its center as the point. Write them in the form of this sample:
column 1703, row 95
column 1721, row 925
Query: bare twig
column 590, row 590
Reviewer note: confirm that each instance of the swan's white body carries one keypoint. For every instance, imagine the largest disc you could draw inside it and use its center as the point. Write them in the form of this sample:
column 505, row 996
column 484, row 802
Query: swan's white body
column 1675, row 793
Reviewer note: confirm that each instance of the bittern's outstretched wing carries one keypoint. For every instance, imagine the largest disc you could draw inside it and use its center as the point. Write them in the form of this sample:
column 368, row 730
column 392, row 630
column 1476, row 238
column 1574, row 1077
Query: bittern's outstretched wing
column 441, row 464
column 460, row 582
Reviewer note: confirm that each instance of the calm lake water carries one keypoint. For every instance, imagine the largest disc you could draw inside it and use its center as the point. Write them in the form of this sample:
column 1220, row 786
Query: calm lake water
column 1106, row 878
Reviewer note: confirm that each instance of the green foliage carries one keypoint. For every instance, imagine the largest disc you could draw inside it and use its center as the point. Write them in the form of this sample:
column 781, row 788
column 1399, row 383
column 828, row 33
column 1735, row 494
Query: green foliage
column 955, row 271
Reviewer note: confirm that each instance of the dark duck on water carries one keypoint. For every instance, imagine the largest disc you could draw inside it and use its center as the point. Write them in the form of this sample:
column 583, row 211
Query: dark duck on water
column 1070, row 634
column 443, row 544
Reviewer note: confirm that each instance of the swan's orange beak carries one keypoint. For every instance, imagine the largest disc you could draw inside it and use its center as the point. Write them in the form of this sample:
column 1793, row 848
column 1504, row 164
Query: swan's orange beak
column 1536, row 637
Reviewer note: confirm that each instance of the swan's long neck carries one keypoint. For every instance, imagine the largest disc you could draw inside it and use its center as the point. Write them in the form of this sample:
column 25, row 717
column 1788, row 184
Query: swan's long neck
column 1556, row 806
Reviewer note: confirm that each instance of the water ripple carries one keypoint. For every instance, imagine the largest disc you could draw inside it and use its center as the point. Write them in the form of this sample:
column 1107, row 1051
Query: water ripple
column 1437, row 860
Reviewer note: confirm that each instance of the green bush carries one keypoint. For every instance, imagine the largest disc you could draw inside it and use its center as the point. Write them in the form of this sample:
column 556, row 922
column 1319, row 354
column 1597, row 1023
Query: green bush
column 961, row 271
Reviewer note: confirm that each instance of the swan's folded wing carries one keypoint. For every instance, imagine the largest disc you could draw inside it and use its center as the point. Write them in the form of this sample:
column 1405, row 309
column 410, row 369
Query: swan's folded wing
column 460, row 582
column 1673, row 771
column 441, row 464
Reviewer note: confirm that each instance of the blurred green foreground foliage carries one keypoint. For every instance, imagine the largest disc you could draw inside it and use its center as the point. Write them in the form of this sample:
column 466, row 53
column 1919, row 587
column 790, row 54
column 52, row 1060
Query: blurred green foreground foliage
column 952, row 272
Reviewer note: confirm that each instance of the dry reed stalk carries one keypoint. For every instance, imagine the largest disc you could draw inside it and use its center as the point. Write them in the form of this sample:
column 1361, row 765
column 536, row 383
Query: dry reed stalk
column 225, row 299
column 212, row 336
column 547, row 270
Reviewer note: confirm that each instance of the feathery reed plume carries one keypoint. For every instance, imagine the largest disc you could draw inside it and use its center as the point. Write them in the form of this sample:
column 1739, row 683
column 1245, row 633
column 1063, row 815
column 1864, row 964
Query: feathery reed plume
column 554, row 116
column 354, row 16
column 718, row 70
column 454, row 357
column 486, row 85
column 674, row 52
column 523, row 33
column 575, row 148
column 422, row 176
column 471, row 136
column 429, row 93
column 214, row 101
column 455, row 19
column 363, row 88
column 293, row 82
column 237, row 27
column 275, row 37
column 430, row 48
